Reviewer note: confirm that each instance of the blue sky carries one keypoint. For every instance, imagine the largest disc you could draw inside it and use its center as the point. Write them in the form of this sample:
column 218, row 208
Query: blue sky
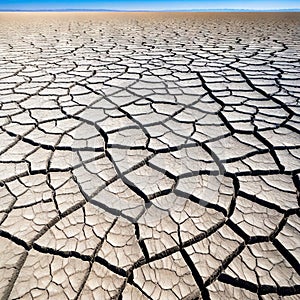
column 149, row 4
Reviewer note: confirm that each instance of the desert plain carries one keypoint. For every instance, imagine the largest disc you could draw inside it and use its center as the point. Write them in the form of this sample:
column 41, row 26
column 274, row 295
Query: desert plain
column 149, row 156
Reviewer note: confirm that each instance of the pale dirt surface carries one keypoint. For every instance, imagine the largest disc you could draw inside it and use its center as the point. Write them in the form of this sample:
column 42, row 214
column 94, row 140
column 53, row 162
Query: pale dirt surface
column 149, row 156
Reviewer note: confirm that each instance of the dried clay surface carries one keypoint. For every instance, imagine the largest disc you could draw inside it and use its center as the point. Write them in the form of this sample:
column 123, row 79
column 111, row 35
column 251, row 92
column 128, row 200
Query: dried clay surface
column 149, row 156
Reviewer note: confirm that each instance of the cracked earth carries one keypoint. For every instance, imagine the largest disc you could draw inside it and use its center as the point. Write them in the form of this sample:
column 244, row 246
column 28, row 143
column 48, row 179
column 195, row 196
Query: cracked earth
column 149, row 156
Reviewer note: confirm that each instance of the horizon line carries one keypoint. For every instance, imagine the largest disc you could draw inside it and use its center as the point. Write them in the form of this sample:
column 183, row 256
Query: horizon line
column 152, row 10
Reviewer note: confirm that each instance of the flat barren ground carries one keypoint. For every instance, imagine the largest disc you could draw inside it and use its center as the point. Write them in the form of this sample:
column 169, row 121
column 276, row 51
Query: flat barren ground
column 149, row 156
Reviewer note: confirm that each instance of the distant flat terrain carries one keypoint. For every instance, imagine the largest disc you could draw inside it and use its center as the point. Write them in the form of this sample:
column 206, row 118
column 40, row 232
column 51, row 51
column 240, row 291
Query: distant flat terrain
column 149, row 156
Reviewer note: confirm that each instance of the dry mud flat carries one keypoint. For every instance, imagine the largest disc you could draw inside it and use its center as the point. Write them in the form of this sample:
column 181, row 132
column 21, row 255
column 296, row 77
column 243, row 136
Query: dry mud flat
column 149, row 156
